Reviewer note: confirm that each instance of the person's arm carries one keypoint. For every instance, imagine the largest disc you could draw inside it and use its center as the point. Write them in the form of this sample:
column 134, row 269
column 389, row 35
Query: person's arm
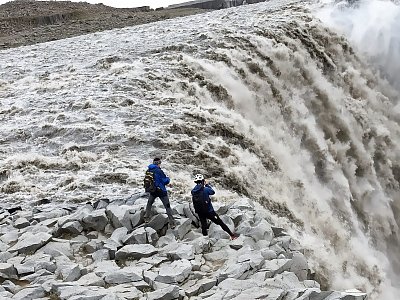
column 164, row 178
column 209, row 190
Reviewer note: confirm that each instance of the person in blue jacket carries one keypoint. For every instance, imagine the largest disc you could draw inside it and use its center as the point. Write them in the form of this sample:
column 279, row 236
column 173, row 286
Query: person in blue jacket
column 160, row 181
column 205, row 210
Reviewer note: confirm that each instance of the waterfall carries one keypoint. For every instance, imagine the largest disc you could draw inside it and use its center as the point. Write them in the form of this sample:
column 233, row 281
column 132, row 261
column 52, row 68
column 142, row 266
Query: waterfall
column 265, row 99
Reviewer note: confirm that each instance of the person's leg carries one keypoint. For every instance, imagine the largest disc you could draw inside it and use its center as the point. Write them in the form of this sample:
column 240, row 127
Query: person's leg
column 167, row 205
column 150, row 202
column 203, row 222
column 217, row 220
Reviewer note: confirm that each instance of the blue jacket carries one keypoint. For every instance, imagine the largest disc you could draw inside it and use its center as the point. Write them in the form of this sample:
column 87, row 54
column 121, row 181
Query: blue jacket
column 207, row 192
column 160, row 179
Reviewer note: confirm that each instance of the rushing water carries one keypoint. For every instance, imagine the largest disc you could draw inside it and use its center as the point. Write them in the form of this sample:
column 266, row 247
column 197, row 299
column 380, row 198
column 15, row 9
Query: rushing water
column 374, row 28
column 263, row 99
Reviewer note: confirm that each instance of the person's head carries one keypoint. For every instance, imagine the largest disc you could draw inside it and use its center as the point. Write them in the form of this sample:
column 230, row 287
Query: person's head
column 157, row 161
column 199, row 179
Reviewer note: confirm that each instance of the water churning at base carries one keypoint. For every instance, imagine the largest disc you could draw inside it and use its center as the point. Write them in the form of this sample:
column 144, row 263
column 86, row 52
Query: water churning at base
column 263, row 98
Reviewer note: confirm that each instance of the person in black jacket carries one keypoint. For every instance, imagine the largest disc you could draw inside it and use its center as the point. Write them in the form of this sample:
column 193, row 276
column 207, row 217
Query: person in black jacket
column 202, row 204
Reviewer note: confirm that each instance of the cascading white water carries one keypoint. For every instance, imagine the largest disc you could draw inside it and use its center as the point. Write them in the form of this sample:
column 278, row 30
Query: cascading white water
column 262, row 98
column 373, row 28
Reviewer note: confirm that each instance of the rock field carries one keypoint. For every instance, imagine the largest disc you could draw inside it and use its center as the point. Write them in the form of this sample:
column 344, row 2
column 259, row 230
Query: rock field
column 104, row 250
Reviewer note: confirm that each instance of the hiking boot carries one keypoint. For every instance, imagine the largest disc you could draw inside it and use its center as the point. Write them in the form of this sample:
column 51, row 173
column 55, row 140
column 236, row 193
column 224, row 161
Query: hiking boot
column 171, row 221
column 234, row 236
column 146, row 219
column 172, row 224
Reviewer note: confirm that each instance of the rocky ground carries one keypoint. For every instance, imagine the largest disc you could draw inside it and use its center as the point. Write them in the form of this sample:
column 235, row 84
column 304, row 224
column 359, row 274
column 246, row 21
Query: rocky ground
column 26, row 22
column 104, row 250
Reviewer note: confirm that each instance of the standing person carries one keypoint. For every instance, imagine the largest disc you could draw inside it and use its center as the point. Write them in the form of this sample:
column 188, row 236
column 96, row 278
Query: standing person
column 158, row 190
column 202, row 205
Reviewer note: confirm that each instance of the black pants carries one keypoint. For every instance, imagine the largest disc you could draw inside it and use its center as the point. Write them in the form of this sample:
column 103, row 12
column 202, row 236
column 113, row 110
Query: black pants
column 214, row 218
column 165, row 201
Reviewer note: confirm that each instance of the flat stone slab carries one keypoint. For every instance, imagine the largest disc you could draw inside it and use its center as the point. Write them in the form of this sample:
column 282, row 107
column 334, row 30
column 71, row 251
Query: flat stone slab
column 168, row 293
column 176, row 272
column 21, row 223
column 30, row 293
column 135, row 251
column 201, row 286
column 183, row 251
column 91, row 279
column 29, row 243
column 126, row 291
column 125, row 275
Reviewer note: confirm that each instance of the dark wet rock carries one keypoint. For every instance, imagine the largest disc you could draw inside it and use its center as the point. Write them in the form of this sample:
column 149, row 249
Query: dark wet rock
column 42, row 202
column 14, row 209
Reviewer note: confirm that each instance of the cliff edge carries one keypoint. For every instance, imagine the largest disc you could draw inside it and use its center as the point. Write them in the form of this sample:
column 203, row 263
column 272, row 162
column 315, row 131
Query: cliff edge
column 27, row 22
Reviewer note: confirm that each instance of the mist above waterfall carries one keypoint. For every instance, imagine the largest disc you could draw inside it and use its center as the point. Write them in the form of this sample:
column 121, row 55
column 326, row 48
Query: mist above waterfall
column 373, row 27
column 263, row 99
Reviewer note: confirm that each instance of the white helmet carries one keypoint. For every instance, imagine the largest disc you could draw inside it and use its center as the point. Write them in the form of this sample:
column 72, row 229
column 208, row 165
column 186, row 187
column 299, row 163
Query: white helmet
column 198, row 177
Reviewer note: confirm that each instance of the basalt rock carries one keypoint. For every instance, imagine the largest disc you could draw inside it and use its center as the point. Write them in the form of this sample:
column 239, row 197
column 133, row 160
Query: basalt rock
column 103, row 255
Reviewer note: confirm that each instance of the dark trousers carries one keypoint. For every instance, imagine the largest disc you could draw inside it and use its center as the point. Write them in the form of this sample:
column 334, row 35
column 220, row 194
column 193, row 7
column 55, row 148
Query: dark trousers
column 214, row 218
column 165, row 201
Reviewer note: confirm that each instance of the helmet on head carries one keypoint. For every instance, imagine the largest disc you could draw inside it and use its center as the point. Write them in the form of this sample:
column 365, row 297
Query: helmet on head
column 198, row 177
